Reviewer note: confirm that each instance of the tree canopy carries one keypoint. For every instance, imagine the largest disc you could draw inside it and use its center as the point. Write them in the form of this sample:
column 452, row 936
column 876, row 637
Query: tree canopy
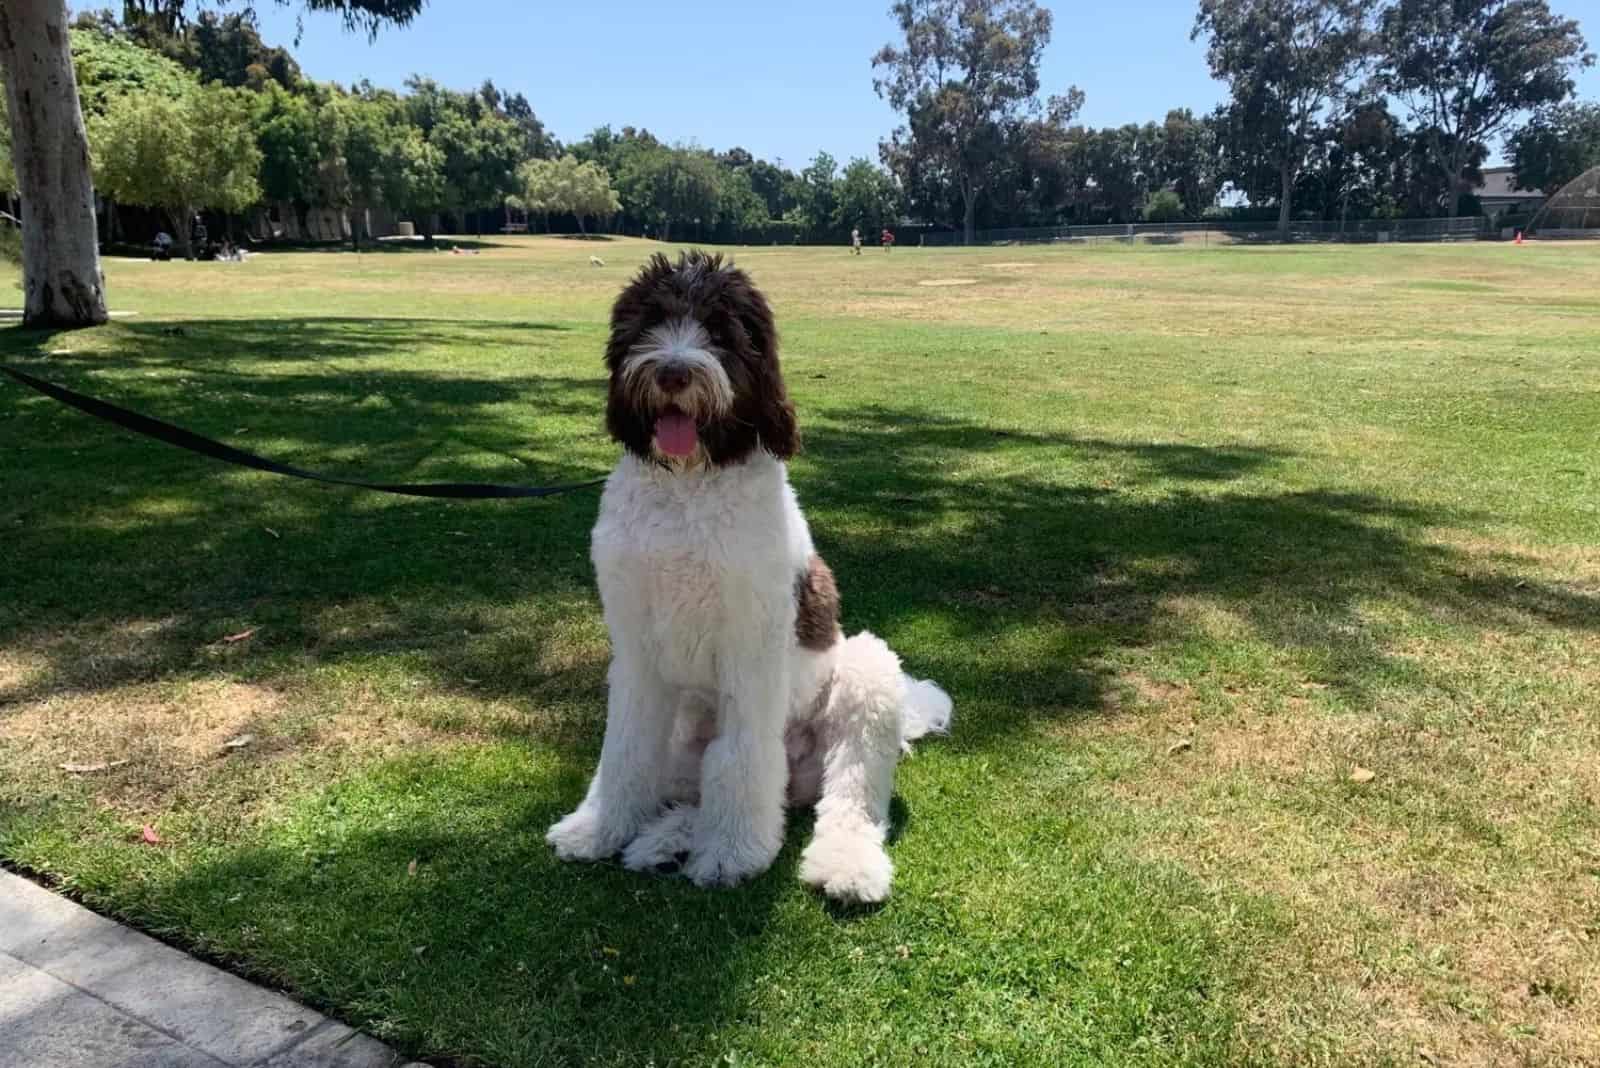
column 1556, row 146
column 1466, row 68
column 1289, row 66
column 179, row 155
column 565, row 186
column 962, row 73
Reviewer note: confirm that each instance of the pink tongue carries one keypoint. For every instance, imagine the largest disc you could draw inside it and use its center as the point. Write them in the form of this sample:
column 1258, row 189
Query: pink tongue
column 676, row 434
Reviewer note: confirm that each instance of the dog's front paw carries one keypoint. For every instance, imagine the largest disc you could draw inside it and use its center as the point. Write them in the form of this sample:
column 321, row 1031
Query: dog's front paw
column 727, row 861
column 661, row 843
column 585, row 835
column 853, row 869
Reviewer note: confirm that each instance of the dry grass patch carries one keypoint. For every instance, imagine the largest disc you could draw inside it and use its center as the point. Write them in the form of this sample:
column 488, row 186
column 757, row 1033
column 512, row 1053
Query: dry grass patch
column 145, row 743
column 154, row 736
column 1438, row 907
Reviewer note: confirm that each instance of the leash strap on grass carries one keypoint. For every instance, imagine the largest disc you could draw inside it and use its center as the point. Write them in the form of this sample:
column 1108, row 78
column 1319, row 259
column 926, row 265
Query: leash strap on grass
column 186, row 439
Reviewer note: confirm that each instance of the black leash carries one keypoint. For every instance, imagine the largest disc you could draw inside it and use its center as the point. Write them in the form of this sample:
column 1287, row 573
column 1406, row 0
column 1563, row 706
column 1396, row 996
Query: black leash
column 186, row 439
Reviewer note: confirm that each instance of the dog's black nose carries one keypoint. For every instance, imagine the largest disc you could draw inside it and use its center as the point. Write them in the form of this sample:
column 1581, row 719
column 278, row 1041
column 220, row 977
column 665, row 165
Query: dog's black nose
column 672, row 378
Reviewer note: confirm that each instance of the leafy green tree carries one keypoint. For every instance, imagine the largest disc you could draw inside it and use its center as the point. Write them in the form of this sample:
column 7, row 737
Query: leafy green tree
column 1187, row 159
column 565, row 186
column 480, row 159
column 599, row 147
column 367, row 16
column 537, row 143
column 216, row 47
column 1042, row 180
column 285, row 126
column 111, row 65
column 816, row 203
column 769, row 181
column 1466, row 68
column 1556, row 146
column 864, row 196
column 963, row 71
column 62, row 285
column 741, row 212
column 669, row 187
column 180, row 156
column 1119, row 175
column 480, row 147
column 414, row 180
column 370, row 123
column 1163, row 206
column 1363, row 167
column 1289, row 65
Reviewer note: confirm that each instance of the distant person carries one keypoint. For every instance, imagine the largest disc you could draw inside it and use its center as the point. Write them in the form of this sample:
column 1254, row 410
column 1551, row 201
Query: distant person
column 855, row 240
column 887, row 238
column 162, row 248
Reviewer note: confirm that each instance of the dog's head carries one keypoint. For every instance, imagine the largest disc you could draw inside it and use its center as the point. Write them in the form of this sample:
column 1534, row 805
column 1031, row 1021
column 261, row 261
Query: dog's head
column 693, row 357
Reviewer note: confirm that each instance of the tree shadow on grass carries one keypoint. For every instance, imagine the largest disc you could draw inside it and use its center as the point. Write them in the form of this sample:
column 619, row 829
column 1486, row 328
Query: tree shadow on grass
column 446, row 925
column 1077, row 567
column 132, row 554
column 387, row 246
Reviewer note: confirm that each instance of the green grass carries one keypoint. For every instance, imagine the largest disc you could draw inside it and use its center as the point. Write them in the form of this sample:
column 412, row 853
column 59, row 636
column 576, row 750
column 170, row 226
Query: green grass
column 1190, row 535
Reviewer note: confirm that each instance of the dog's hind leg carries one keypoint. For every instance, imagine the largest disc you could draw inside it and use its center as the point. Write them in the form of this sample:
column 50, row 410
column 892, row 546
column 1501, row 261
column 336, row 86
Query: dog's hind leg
column 859, row 731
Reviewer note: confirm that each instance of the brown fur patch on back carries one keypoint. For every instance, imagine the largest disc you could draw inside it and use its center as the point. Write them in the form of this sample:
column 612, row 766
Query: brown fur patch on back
column 816, row 618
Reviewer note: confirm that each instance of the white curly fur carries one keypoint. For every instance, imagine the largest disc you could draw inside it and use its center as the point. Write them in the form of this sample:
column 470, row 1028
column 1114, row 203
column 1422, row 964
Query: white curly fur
column 716, row 710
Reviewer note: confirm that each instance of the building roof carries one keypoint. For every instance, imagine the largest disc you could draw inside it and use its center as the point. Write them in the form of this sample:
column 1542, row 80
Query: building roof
column 1500, row 183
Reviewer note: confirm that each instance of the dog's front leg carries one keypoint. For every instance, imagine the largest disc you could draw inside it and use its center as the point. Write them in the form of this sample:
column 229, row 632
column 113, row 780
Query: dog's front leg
column 626, row 789
column 739, row 829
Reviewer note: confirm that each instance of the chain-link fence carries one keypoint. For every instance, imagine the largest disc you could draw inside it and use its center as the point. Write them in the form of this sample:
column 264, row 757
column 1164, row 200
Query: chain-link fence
column 1221, row 232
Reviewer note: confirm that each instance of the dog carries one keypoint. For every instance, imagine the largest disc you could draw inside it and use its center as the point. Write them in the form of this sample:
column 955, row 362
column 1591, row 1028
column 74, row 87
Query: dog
column 732, row 689
column 596, row 261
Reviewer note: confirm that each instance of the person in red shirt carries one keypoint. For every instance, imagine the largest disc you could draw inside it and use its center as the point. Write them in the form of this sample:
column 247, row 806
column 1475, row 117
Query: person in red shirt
column 888, row 239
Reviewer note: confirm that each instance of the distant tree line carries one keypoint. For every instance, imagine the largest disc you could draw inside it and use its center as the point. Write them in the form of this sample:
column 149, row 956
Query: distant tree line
column 1335, row 110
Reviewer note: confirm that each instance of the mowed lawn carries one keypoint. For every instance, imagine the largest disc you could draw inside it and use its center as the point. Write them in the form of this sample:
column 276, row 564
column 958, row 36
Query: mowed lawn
column 1266, row 582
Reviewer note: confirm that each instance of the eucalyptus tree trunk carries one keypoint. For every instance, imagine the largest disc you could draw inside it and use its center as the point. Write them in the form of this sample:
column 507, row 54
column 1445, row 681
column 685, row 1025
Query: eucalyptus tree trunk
column 61, row 280
column 969, row 210
column 1285, row 198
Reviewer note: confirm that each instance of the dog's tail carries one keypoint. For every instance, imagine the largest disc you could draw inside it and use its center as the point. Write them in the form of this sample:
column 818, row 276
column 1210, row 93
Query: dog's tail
column 927, row 710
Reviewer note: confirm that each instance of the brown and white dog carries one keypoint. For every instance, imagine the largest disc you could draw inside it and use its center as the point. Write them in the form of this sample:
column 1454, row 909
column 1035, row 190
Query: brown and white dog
column 732, row 688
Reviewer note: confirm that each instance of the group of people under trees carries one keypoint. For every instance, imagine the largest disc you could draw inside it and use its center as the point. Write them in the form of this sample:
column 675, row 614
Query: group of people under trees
column 224, row 251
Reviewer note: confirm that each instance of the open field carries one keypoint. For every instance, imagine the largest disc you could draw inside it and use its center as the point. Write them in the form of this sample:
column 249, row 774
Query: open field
column 1266, row 582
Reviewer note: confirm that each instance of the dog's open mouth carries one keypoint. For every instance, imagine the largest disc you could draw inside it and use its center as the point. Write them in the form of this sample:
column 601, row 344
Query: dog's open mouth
column 676, row 434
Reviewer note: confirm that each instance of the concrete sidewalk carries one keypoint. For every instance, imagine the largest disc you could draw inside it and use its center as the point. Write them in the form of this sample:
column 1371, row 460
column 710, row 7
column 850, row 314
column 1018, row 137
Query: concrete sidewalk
column 82, row 991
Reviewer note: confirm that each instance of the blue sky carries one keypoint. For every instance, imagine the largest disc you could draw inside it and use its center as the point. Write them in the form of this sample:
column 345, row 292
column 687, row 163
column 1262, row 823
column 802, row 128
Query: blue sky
column 782, row 83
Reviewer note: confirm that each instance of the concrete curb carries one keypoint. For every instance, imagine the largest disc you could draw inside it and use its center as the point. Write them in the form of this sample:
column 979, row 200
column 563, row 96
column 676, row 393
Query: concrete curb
column 81, row 990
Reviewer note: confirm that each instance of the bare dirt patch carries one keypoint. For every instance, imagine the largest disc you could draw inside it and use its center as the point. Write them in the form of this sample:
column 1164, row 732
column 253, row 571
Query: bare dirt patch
column 948, row 282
